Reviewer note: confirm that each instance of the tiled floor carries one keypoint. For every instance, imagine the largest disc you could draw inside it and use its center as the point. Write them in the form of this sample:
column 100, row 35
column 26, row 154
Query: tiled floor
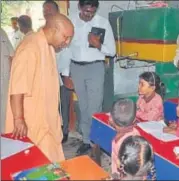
column 72, row 145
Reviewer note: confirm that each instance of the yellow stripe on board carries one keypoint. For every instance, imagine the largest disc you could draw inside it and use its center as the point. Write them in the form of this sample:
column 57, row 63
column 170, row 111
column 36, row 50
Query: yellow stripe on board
column 146, row 51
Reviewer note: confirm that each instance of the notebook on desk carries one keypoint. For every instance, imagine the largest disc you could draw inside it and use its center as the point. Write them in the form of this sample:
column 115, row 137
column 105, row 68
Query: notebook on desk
column 98, row 32
column 10, row 147
column 155, row 128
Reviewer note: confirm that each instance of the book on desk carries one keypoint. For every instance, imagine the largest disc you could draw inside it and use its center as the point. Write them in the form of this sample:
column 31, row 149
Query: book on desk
column 51, row 171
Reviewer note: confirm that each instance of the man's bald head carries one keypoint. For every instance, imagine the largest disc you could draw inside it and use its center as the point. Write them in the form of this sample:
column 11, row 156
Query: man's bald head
column 59, row 30
column 61, row 22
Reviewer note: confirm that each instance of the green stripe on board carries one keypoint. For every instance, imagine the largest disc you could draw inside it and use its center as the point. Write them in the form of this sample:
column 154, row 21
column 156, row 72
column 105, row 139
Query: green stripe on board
column 150, row 24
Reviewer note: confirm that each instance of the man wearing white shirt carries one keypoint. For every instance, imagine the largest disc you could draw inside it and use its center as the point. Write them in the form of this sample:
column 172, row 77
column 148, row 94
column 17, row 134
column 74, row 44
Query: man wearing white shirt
column 87, row 63
column 17, row 36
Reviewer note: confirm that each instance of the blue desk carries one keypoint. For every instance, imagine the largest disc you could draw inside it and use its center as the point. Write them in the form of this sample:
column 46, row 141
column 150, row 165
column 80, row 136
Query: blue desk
column 102, row 135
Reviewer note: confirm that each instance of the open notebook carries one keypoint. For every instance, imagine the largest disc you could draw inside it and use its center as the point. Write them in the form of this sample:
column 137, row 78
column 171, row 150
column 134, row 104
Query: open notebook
column 155, row 128
column 11, row 147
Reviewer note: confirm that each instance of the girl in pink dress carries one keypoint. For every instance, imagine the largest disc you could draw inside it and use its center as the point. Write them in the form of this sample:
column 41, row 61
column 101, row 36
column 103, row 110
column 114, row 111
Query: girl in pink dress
column 151, row 91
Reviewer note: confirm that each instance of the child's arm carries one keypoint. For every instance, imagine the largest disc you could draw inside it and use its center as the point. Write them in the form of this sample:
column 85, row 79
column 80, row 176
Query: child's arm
column 152, row 115
column 172, row 124
column 170, row 130
column 155, row 113
column 111, row 122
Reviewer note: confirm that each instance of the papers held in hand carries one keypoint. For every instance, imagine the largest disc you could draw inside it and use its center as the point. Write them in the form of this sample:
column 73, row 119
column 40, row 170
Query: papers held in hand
column 98, row 32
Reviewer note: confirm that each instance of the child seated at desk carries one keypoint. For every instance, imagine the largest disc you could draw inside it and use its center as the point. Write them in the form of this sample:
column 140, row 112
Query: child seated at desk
column 135, row 160
column 122, row 117
column 173, row 128
column 151, row 91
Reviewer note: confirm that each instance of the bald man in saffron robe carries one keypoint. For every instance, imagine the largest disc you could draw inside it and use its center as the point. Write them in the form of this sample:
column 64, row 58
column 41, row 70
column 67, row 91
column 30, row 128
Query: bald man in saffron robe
column 34, row 87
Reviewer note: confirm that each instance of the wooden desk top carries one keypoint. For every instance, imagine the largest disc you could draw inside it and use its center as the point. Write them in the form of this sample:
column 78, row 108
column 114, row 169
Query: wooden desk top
column 83, row 168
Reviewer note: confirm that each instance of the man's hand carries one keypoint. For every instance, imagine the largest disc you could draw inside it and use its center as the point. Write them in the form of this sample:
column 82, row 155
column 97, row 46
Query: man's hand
column 94, row 40
column 17, row 107
column 20, row 129
column 68, row 83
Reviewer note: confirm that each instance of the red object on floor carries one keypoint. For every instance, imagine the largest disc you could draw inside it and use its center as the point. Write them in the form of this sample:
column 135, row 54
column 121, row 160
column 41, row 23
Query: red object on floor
column 21, row 160
column 160, row 147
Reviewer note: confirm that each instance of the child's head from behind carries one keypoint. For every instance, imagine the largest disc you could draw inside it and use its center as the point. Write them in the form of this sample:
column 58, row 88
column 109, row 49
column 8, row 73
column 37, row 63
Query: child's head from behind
column 135, row 158
column 149, row 82
column 123, row 112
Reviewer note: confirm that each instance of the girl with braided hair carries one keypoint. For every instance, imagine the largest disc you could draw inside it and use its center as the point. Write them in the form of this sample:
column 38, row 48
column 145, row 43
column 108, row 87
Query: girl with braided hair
column 135, row 160
column 122, row 118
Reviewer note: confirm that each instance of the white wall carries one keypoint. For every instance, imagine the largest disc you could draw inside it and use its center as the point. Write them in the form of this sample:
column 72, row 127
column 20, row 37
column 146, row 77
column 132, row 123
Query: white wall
column 105, row 6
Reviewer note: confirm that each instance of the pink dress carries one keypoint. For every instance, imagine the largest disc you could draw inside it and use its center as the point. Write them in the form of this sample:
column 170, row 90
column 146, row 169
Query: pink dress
column 115, row 149
column 151, row 110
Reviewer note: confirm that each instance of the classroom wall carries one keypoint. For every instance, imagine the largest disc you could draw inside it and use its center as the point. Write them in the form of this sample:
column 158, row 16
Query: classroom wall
column 125, row 81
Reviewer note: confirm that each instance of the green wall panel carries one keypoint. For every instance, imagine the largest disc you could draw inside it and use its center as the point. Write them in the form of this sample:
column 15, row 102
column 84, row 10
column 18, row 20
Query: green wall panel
column 147, row 24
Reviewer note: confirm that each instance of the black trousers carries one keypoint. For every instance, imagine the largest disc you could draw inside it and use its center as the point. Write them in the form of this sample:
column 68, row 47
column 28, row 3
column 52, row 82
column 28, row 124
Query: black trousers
column 65, row 107
column 108, row 86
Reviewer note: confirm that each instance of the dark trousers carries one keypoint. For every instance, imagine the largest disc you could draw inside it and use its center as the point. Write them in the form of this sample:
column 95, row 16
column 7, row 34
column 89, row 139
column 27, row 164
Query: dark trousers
column 108, row 86
column 65, row 107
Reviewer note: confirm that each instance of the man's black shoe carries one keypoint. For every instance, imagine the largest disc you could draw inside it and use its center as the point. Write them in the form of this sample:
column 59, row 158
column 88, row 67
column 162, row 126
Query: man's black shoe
column 65, row 138
column 83, row 149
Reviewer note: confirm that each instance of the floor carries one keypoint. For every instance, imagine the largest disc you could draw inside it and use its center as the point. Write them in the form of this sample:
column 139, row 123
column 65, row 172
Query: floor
column 72, row 145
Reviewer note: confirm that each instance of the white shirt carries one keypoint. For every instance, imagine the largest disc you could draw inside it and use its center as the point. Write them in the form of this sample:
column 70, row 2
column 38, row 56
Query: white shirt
column 17, row 36
column 63, row 63
column 6, row 51
column 80, row 45
column 176, row 58
column 79, row 48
